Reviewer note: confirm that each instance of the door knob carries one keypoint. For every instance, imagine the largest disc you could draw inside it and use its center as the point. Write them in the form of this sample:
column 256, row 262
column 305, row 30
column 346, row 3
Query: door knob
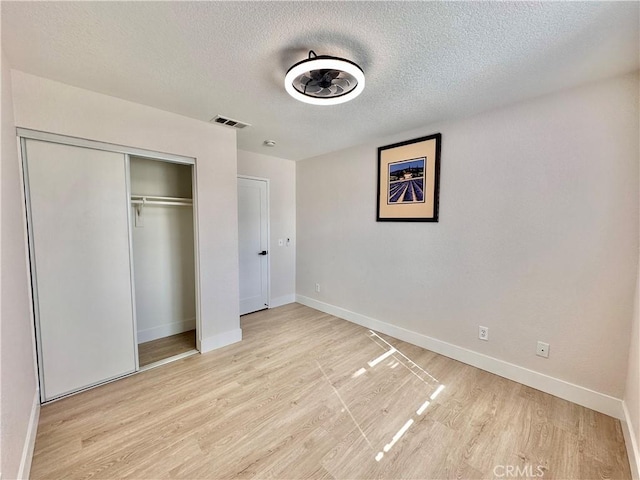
column 263, row 252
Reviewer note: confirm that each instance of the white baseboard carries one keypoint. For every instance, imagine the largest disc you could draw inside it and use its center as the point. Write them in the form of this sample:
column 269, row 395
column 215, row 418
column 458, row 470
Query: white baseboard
column 165, row 330
column 30, row 439
column 597, row 401
column 283, row 300
column 631, row 441
column 220, row 340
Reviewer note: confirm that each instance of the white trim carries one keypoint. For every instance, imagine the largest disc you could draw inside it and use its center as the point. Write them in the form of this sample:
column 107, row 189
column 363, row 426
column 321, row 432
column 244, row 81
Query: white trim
column 250, row 177
column 33, row 273
column 631, row 441
column 109, row 147
column 220, row 340
column 30, row 439
column 132, row 277
column 27, row 261
column 268, row 214
column 166, row 330
column 167, row 360
column 196, row 252
column 283, row 300
column 597, row 401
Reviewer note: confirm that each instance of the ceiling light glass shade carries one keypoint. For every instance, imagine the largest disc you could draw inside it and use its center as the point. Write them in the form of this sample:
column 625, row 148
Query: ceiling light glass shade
column 324, row 80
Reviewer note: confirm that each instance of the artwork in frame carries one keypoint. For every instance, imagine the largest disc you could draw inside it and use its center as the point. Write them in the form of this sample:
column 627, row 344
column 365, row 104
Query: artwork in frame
column 408, row 180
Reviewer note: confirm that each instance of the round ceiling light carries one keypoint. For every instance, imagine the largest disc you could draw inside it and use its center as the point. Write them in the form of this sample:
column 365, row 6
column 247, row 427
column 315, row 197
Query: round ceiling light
column 324, row 80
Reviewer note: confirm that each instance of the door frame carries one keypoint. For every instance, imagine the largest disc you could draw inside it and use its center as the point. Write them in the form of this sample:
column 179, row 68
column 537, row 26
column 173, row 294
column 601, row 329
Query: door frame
column 33, row 278
column 267, row 182
column 127, row 172
column 196, row 252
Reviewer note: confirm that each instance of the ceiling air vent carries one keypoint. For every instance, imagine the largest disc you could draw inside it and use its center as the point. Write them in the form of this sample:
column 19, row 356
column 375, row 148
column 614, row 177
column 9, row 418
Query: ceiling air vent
column 229, row 122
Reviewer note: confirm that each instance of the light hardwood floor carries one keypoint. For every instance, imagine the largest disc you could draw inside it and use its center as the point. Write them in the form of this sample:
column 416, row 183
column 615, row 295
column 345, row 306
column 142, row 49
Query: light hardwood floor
column 308, row 395
column 150, row 352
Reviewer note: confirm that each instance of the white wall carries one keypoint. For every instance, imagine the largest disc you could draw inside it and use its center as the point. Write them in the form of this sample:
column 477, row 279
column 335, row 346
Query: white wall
column 19, row 390
column 632, row 392
column 537, row 238
column 50, row 106
column 163, row 252
column 282, row 212
column 158, row 178
column 632, row 388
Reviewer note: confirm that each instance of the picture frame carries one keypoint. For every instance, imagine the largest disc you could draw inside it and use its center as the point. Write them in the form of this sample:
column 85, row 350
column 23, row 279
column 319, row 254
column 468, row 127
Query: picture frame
column 409, row 180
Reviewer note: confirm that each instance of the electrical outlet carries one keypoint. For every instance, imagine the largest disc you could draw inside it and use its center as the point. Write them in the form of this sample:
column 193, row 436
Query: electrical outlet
column 483, row 333
column 317, row 288
column 542, row 350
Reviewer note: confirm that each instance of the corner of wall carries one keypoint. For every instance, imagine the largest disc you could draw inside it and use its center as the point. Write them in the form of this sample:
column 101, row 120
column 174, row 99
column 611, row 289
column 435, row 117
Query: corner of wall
column 631, row 442
column 30, row 442
column 220, row 340
column 20, row 396
column 283, row 300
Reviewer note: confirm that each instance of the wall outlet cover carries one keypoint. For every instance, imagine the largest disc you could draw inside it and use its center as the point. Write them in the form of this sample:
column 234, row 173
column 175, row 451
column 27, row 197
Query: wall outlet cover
column 483, row 333
column 542, row 350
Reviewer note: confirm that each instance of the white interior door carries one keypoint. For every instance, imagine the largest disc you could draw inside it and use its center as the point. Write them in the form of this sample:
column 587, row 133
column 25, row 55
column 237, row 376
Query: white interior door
column 253, row 227
column 79, row 232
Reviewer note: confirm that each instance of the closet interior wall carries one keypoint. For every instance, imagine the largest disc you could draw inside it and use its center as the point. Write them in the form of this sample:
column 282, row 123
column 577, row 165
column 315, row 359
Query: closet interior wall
column 163, row 250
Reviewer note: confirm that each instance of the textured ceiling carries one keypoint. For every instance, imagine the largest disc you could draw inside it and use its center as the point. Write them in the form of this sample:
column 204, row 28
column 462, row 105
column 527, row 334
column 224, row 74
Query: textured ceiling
column 424, row 61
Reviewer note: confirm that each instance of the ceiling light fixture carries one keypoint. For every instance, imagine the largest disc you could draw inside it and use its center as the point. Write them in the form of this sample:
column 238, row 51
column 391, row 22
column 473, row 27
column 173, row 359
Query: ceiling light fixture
column 324, row 80
column 269, row 143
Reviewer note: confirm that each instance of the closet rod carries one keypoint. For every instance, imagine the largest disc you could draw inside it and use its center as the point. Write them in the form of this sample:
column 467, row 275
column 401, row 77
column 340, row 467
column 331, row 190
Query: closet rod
column 168, row 199
column 160, row 202
column 141, row 200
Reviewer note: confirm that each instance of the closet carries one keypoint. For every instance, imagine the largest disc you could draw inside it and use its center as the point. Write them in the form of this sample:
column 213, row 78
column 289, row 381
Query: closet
column 112, row 257
column 163, row 258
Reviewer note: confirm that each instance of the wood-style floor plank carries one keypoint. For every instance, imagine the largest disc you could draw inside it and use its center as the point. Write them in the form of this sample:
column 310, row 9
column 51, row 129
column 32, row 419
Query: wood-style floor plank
column 308, row 395
column 161, row 348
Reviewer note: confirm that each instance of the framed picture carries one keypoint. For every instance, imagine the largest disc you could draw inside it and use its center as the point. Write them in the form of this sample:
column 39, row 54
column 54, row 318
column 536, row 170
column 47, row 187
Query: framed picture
column 408, row 180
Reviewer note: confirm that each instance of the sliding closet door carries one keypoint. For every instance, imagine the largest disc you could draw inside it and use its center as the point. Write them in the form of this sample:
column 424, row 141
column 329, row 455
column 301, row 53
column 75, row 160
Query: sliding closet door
column 78, row 213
